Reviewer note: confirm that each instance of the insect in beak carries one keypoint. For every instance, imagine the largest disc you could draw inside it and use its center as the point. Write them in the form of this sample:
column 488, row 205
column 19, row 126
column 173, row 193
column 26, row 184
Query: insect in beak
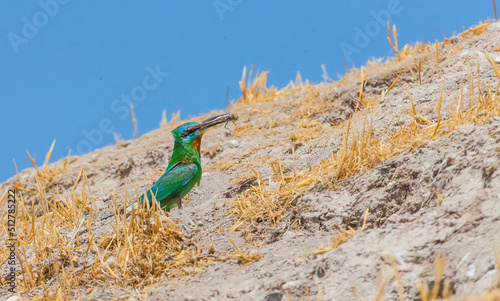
column 213, row 121
column 234, row 117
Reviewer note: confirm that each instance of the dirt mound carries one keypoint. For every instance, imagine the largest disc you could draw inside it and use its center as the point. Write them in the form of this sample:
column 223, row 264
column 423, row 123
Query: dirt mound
column 383, row 185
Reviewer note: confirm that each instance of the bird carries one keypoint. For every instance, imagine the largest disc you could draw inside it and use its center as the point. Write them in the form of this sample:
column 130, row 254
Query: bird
column 184, row 169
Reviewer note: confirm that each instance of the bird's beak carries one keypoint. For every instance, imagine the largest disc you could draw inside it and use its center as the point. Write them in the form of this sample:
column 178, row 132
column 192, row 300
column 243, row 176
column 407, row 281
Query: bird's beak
column 213, row 121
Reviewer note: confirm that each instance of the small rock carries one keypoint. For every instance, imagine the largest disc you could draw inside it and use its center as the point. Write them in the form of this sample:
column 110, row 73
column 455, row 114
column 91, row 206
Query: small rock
column 111, row 261
column 471, row 271
column 234, row 142
column 274, row 297
column 13, row 298
column 320, row 271
column 290, row 285
column 329, row 215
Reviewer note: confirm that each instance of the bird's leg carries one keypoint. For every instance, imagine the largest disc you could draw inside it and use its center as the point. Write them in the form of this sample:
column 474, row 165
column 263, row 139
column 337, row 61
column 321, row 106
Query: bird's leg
column 179, row 201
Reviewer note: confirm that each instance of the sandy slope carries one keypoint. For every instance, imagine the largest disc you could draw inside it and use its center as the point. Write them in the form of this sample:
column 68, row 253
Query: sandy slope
column 405, row 230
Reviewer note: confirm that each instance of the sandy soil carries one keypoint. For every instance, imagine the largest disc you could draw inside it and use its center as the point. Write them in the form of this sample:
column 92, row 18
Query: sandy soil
column 439, row 199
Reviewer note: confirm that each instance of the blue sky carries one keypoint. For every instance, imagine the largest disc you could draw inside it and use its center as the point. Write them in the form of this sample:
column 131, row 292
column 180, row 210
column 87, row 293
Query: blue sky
column 69, row 68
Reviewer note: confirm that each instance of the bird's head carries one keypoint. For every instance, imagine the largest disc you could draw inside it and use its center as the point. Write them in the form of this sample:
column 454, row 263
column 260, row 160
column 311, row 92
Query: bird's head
column 190, row 133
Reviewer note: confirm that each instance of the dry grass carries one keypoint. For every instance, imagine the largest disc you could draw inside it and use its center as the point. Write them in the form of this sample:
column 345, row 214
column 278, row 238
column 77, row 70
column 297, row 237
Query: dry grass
column 393, row 41
column 134, row 121
column 493, row 295
column 147, row 248
column 263, row 202
column 342, row 236
column 476, row 30
column 57, row 243
column 303, row 97
column 61, row 253
column 362, row 148
column 255, row 90
column 45, row 246
column 393, row 38
column 359, row 150
column 439, row 287
column 495, row 10
column 244, row 258
column 497, row 261
column 226, row 164
column 245, row 130
column 163, row 121
column 307, row 131
column 45, row 174
column 175, row 119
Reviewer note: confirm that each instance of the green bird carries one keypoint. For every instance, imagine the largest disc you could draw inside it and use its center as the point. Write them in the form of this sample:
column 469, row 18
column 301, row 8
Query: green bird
column 184, row 169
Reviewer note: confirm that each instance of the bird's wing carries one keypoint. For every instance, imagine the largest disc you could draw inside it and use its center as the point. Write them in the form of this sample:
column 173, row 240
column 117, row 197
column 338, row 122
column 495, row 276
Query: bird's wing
column 173, row 181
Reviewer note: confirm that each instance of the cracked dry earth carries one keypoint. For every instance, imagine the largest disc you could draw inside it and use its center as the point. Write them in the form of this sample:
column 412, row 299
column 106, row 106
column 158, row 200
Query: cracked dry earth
column 441, row 198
